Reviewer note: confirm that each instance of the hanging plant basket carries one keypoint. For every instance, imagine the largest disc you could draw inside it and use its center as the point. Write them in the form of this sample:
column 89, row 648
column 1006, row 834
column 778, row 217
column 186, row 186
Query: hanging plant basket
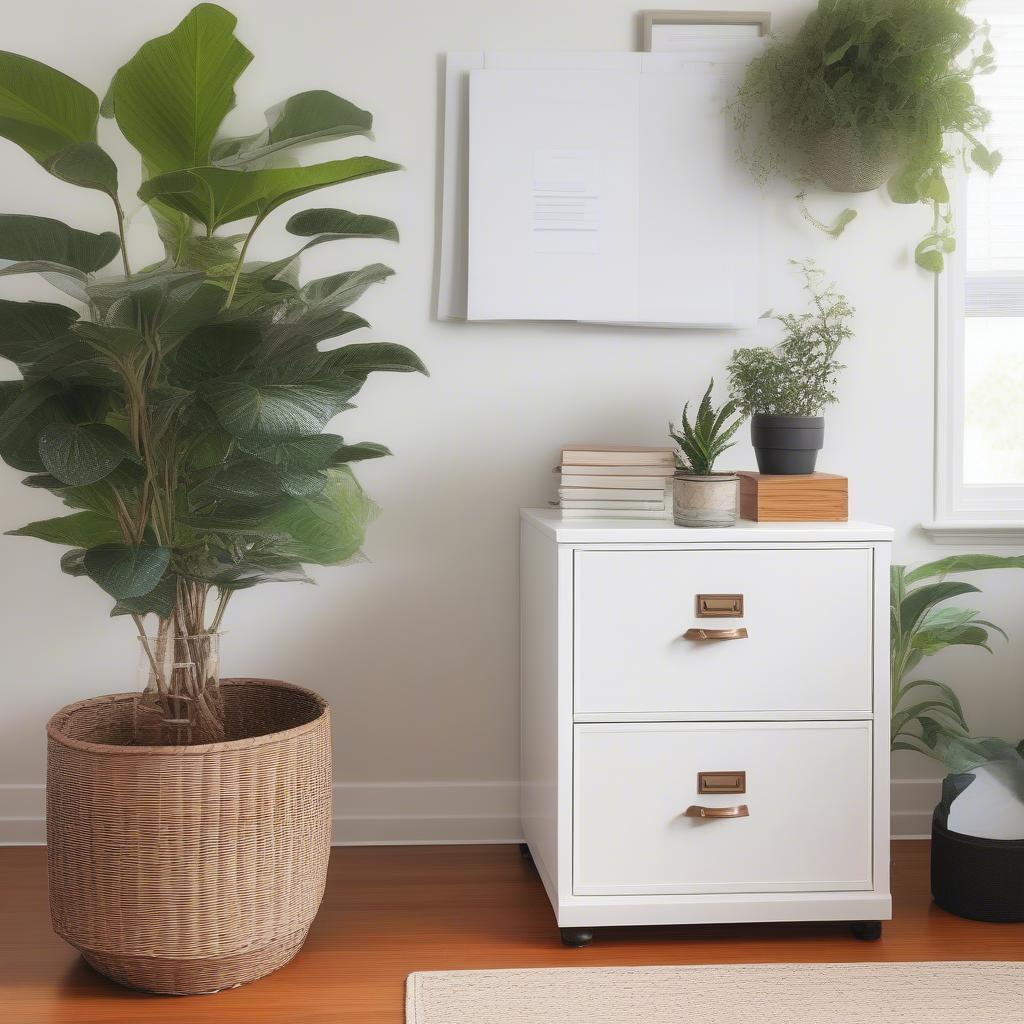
column 841, row 162
column 190, row 869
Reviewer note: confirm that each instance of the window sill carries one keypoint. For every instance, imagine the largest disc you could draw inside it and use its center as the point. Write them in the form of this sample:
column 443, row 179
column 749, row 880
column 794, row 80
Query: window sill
column 976, row 531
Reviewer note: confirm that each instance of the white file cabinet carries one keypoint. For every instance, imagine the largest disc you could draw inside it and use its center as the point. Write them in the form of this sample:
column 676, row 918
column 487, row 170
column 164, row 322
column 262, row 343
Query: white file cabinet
column 705, row 721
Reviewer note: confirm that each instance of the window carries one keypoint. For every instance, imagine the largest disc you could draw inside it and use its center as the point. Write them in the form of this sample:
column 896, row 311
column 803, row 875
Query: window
column 980, row 370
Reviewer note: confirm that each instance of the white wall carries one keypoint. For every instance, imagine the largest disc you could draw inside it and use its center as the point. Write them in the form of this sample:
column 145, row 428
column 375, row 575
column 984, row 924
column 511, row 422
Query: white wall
column 417, row 648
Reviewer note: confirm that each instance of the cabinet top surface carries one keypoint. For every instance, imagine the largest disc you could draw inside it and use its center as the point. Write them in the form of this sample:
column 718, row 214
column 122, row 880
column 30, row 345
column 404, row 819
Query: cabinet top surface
column 653, row 531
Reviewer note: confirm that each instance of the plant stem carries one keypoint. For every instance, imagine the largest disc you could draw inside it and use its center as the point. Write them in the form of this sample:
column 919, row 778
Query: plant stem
column 222, row 607
column 141, row 627
column 120, row 231
column 238, row 266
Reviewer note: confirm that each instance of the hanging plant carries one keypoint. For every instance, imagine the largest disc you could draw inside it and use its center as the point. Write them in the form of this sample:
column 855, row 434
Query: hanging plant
column 873, row 92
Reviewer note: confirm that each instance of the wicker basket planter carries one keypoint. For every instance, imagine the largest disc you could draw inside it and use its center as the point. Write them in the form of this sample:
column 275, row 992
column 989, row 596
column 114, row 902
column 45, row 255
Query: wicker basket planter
column 197, row 868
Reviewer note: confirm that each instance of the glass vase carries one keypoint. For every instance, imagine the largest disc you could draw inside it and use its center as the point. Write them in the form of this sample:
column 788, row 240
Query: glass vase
column 178, row 677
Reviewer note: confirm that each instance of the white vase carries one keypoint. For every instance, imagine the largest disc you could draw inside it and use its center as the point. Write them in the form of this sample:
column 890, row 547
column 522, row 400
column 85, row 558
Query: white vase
column 705, row 500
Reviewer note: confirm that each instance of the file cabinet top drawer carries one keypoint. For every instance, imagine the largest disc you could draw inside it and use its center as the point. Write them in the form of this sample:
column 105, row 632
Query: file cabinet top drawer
column 769, row 630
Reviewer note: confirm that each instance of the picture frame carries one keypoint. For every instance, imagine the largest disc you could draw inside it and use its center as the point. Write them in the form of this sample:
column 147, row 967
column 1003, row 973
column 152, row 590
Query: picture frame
column 704, row 27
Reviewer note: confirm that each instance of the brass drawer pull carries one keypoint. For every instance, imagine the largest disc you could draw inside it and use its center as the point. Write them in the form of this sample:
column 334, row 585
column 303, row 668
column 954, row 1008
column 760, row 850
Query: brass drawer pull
column 719, row 606
column 721, row 782
column 697, row 811
column 716, row 634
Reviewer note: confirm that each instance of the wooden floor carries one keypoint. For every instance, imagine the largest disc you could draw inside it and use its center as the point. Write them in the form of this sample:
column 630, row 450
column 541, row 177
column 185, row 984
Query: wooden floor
column 392, row 910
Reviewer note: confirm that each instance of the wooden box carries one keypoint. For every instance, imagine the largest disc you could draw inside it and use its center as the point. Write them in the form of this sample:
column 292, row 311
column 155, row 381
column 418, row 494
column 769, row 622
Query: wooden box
column 816, row 497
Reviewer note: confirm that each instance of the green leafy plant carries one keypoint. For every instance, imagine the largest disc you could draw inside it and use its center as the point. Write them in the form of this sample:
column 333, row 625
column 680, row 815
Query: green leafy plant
column 927, row 715
column 702, row 442
column 798, row 376
column 180, row 416
column 885, row 83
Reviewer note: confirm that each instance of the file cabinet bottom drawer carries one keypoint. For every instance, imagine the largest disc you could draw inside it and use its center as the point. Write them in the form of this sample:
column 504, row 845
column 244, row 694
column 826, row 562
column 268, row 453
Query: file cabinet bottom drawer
column 722, row 808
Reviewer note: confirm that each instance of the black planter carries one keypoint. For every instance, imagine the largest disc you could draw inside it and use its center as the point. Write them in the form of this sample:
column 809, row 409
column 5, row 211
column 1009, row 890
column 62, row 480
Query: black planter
column 786, row 445
column 982, row 879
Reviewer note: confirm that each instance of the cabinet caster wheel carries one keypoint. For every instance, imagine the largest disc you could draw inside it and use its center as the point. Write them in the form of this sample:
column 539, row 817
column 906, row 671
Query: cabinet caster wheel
column 524, row 851
column 866, row 931
column 576, row 937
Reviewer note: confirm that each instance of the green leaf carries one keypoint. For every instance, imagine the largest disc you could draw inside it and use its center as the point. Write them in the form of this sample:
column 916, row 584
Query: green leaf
column 215, row 195
column 121, row 344
column 183, row 312
column 98, row 497
column 171, row 97
column 25, row 238
column 936, row 189
column 298, row 397
column 213, row 351
column 340, row 224
column 250, row 480
column 86, row 165
column 73, row 562
column 905, row 186
column 159, row 601
column 124, row 571
column 268, row 283
column 934, row 705
column 328, row 529
column 42, row 110
column 234, row 522
column 929, row 259
column 20, row 402
column 987, row 160
column 80, row 530
column 918, row 601
column 256, row 569
column 947, row 691
column 836, row 49
column 320, row 451
column 366, row 357
column 314, row 116
column 965, row 753
column 277, row 411
column 32, row 330
column 319, row 310
column 962, row 563
column 948, row 627
column 82, row 453
column 148, row 300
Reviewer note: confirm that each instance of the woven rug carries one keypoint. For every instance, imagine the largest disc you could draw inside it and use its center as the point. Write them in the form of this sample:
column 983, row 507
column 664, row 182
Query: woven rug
column 911, row 993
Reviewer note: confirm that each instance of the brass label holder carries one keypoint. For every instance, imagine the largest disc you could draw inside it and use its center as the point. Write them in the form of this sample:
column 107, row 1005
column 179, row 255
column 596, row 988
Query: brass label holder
column 719, row 606
column 721, row 782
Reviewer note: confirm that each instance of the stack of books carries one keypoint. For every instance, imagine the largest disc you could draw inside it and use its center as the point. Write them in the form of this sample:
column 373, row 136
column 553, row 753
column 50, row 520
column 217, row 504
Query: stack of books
column 615, row 482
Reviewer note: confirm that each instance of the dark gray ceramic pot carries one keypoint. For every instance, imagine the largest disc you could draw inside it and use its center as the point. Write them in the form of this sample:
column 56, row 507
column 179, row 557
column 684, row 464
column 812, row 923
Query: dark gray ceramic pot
column 786, row 445
column 982, row 879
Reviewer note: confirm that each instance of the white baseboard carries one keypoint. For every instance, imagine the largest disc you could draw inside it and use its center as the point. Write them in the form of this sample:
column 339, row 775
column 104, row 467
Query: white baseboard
column 413, row 813
column 365, row 814
column 913, row 801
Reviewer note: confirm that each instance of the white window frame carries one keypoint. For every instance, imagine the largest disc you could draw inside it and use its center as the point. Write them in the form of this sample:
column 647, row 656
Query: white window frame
column 963, row 513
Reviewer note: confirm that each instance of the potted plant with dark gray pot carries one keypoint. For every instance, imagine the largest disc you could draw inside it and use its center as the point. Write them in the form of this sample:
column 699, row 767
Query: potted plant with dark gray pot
column 700, row 496
column 784, row 388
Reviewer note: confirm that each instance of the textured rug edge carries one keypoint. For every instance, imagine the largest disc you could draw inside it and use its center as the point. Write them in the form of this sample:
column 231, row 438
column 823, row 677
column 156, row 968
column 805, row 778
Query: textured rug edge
column 417, row 980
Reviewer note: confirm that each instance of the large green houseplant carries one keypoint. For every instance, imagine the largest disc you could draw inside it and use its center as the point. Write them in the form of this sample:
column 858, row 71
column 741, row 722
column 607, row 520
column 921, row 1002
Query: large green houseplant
column 178, row 412
column 869, row 92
